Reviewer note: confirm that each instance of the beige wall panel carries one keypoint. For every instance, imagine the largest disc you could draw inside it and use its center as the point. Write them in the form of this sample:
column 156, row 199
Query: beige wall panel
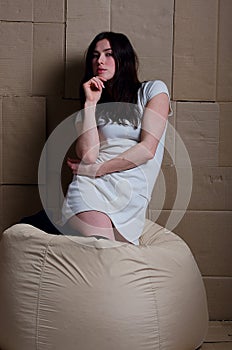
column 85, row 20
column 211, row 188
column 15, row 58
column 219, row 291
column 208, row 234
column 169, row 152
column 224, row 75
column 225, row 147
column 23, row 127
column 17, row 10
column 164, row 192
column 96, row 9
column 29, row 10
column 48, row 59
column 198, row 126
column 195, row 50
column 17, row 202
column 150, row 28
column 152, row 68
column 49, row 10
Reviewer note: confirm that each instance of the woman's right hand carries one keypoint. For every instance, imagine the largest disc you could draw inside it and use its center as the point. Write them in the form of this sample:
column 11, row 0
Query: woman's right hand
column 93, row 89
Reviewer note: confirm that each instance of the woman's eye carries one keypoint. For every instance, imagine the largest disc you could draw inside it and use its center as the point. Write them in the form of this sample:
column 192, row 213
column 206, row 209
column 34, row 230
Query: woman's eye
column 109, row 54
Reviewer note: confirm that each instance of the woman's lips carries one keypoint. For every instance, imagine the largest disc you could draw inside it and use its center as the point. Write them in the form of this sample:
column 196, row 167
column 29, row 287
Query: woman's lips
column 101, row 70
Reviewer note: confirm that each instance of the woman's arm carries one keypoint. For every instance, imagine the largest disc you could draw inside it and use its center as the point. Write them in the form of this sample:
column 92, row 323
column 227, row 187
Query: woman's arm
column 87, row 145
column 154, row 121
column 153, row 125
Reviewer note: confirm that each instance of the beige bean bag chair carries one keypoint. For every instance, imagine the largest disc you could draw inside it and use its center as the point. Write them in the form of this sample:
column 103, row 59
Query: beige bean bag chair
column 77, row 293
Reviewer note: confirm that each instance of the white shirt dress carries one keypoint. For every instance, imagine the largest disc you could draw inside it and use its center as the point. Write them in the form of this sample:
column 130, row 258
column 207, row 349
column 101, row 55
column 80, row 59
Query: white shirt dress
column 123, row 196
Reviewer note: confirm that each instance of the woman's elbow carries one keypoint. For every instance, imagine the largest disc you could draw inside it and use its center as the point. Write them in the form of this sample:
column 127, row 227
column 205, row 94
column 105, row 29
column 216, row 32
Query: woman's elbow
column 149, row 152
column 86, row 156
column 89, row 158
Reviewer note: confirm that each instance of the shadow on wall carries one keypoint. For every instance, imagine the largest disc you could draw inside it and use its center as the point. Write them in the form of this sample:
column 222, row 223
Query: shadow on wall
column 73, row 75
column 66, row 174
column 56, row 79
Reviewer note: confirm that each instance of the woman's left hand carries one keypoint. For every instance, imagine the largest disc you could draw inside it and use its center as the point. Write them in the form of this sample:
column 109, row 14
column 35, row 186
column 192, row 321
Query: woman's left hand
column 80, row 168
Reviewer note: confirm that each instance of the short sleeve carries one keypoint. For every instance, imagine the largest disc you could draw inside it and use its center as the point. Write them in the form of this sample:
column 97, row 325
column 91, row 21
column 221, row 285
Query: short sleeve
column 152, row 88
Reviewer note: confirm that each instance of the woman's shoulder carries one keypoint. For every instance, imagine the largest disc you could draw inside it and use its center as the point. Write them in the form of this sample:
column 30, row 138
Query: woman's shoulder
column 150, row 88
column 154, row 85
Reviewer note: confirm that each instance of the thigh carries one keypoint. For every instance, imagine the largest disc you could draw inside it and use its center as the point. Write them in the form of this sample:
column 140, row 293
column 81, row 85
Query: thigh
column 91, row 223
column 95, row 218
column 101, row 220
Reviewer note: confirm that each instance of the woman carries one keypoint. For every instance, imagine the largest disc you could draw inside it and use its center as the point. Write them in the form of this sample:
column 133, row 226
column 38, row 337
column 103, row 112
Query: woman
column 120, row 143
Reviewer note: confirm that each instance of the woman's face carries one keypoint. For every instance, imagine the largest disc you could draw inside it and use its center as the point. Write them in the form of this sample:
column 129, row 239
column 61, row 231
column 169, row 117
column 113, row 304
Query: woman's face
column 103, row 62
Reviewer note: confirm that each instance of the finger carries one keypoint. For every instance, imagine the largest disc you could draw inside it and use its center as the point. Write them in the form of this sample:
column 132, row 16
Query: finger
column 94, row 86
column 72, row 160
column 72, row 166
column 101, row 79
column 99, row 82
column 95, row 83
column 91, row 84
column 69, row 163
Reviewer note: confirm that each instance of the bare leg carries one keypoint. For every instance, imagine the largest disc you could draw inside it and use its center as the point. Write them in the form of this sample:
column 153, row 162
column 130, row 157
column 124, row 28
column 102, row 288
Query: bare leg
column 93, row 223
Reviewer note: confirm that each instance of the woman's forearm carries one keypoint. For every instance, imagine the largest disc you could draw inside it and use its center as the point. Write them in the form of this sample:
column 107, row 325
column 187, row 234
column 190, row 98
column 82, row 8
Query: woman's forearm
column 153, row 126
column 87, row 145
column 135, row 156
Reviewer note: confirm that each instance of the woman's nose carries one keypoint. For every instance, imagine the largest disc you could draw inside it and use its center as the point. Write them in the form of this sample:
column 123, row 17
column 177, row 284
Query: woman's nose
column 101, row 59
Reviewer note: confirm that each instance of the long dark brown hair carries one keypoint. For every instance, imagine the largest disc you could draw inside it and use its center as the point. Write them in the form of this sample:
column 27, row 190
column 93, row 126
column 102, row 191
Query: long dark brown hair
column 124, row 85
